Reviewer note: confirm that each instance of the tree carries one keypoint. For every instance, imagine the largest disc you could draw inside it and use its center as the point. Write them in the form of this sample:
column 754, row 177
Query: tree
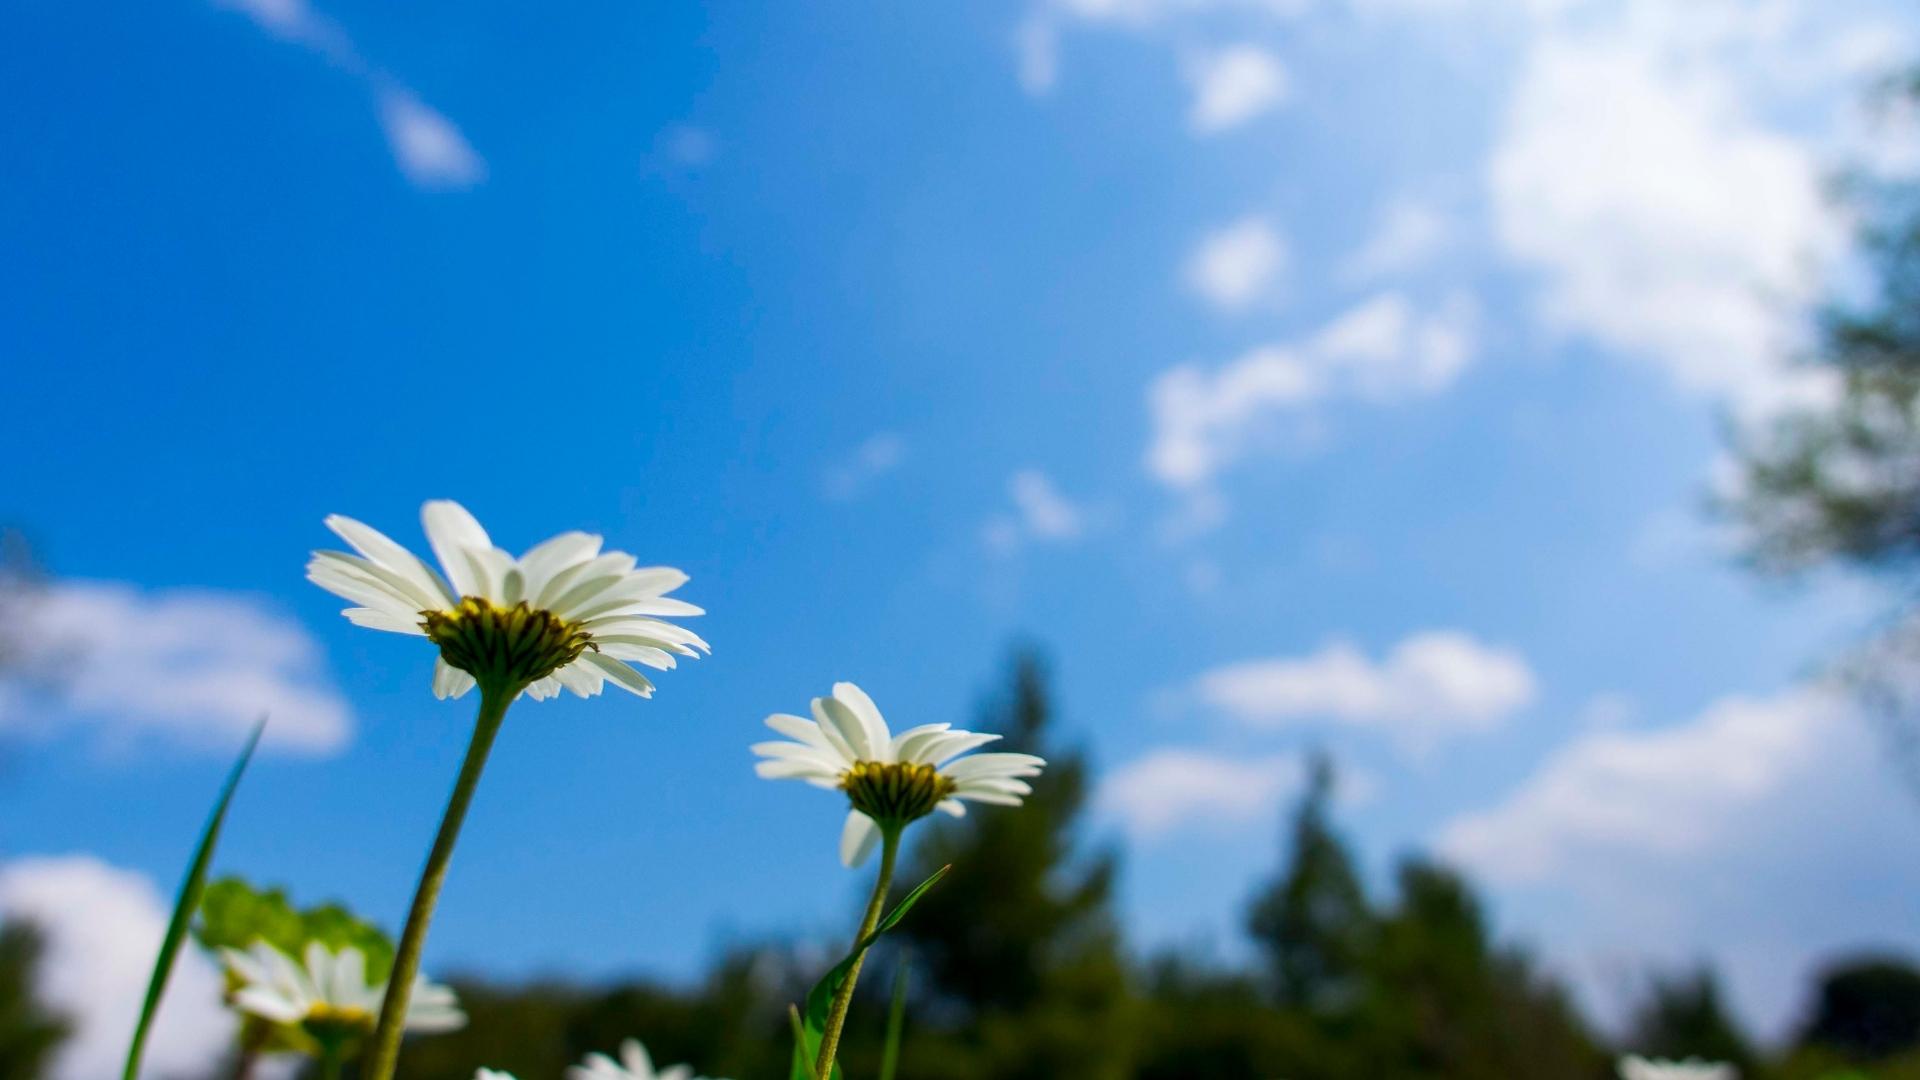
column 1866, row 1008
column 1313, row 923
column 1838, row 483
column 1684, row 1016
column 29, row 1034
column 1017, row 949
column 1442, row 1001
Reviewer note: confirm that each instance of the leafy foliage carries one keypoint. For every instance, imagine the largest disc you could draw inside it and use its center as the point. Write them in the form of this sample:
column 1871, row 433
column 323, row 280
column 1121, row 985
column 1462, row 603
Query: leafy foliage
column 1841, row 481
column 1867, row 1009
column 1312, row 923
column 234, row 914
column 29, row 1033
column 1685, row 1016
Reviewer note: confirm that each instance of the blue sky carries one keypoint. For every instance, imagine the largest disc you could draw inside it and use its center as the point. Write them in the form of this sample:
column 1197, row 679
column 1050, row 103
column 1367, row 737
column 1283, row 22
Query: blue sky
column 1340, row 373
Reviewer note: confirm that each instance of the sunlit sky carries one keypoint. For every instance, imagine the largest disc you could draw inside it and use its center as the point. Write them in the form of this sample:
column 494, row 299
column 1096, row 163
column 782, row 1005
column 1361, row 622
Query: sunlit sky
column 1316, row 373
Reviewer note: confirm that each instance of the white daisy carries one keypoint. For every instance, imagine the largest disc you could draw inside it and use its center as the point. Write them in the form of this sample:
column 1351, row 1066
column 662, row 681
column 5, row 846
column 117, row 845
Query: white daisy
column 889, row 778
column 328, row 995
column 634, row 1064
column 1635, row 1067
column 562, row 615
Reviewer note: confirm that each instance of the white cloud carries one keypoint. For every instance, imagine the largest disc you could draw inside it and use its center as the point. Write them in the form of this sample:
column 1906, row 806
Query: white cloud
column 1041, row 514
column 1763, row 834
column 1409, row 234
column 194, row 667
column 686, row 147
column 1667, row 220
column 1239, row 264
column 1174, row 788
column 1234, row 85
column 1431, row 685
column 880, row 454
column 1672, row 793
column 430, row 151
column 428, row 148
column 1380, row 350
column 1037, row 50
column 103, row 927
column 1387, row 351
column 1046, row 513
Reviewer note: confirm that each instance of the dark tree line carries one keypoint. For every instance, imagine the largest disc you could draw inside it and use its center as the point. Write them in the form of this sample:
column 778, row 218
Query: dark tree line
column 1019, row 969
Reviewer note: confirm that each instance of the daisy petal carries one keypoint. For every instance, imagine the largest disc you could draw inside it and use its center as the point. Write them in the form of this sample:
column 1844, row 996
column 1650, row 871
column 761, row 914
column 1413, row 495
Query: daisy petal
column 452, row 533
column 858, row 838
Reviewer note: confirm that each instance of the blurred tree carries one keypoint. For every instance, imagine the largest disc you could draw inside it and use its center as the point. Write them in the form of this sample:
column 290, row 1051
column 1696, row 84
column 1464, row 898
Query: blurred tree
column 1312, row 923
column 1685, row 1016
column 1442, row 1002
column 1223, row 1026
column 1867, row 1009
column 1838, row 482
column 29, row 1034
column 1017, row 951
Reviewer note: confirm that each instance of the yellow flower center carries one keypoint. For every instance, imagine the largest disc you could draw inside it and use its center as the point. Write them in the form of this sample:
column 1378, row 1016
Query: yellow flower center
column 893, row 791
column 508, row 647
column 330, row 1015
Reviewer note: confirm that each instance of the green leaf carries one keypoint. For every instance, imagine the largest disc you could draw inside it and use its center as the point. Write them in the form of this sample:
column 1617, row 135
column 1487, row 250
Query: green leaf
column 805, row 1046
column 896, row 1021
column 185, row 905
column 234, row 915
column 820, row 998
column 335, row 927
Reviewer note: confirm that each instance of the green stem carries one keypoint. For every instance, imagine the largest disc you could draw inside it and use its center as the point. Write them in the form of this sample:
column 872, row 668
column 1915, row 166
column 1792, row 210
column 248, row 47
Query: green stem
column 385, row 1056
column 330, row 1064
column 837, row 1017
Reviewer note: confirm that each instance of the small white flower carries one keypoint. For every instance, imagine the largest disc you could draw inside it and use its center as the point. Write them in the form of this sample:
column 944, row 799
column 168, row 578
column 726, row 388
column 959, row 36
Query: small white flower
column 634, row 1064
column 1635, row 1067
column 329, row 991
column 892, row 778
column 492, row 1074
column 562, row 615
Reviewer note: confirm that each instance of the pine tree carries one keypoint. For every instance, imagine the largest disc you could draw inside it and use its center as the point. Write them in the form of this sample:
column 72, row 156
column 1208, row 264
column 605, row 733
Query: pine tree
column 1313, row 922
column 1017, row 950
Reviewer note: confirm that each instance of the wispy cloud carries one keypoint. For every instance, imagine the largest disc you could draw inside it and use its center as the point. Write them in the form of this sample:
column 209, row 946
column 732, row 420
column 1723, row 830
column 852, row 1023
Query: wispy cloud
column 1175, row 788
column 1380, row 350
column 1041, row 514
column 1233, row 86
column 1668, row 794
column 428, row 148
column 1432, row 685
column 1761, row 832
column 1408, row 235
column 879, row 454
column 192, row 667
column 1238, row 265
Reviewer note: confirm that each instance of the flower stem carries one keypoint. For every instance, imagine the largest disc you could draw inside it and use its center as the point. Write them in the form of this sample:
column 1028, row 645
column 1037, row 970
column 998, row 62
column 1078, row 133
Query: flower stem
column 385, row 1055
column 837, row 1017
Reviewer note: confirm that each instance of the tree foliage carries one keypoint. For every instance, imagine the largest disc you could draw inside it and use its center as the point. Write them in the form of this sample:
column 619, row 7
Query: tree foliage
column 29, row 1033
column 1839, row 482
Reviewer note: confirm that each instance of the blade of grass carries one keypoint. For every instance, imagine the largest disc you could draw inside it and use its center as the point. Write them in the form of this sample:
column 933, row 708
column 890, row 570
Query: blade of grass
column 803, row 1048
column 185, row 905
column 896, row 1020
